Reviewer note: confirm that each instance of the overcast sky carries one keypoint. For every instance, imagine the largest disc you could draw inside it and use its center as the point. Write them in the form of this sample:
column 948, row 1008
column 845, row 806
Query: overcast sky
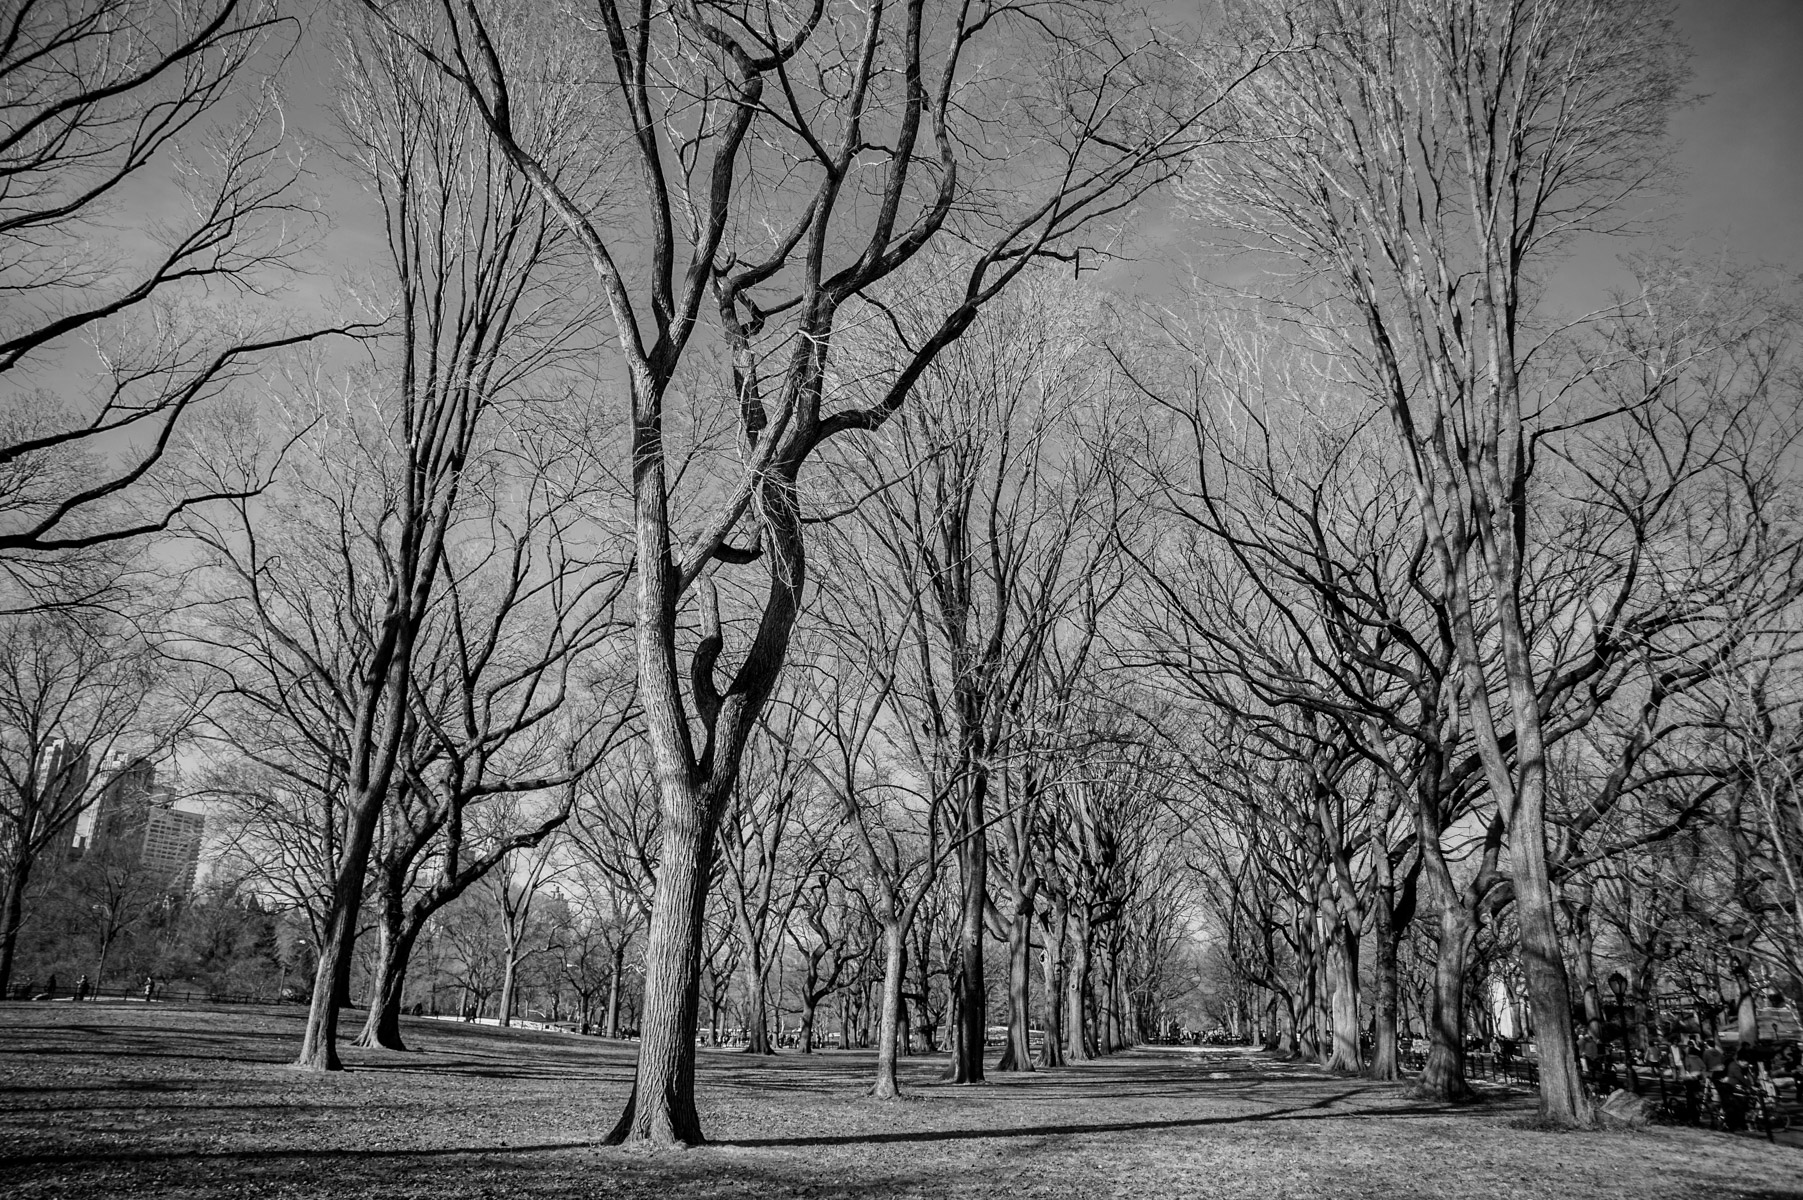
column 1742, row 146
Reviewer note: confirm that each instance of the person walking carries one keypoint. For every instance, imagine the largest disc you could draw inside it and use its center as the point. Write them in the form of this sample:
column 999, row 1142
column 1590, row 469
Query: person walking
column 81, row 989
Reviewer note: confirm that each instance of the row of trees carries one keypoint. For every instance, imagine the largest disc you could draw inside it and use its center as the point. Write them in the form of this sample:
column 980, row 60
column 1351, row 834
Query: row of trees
column 1493, row 606
column 718, row 495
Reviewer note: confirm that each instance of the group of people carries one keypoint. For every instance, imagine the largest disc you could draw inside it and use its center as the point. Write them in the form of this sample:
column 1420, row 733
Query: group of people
column 1700, row 1071
column 26, row 990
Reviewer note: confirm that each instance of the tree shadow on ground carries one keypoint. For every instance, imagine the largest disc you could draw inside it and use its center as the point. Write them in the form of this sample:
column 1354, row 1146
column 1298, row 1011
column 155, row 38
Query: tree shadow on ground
column 1302, row 1112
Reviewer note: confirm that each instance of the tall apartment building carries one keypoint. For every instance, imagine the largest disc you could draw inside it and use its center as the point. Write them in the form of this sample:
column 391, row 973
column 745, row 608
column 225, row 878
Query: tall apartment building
column 134, row 817
column 172, row 839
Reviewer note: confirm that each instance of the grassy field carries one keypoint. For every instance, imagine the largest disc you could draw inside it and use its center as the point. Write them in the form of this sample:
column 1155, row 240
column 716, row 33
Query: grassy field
column 131, row 1100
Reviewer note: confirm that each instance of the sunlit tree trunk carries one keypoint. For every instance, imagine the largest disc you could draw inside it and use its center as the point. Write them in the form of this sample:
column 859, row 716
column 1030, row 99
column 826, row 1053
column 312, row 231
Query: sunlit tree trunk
column 1343, row 974
column 889, row 1028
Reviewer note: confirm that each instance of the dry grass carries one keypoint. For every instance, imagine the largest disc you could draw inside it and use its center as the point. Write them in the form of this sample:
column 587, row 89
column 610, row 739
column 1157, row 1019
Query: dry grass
column 124, row 1100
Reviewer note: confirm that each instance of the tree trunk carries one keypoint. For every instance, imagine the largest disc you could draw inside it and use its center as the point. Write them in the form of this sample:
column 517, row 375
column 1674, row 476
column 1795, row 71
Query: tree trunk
column 890, row 1030
column 1052, row 1050
column 1018, row 1056
column 1563, row 1099
column 757, row 1028
column 973, row 858
column 1746, row 1010
column 382, row 1025
column 661, row 1107
column 805, row 1036
column 1386, row 1062
column 1115, row 1037
column 1078, row 1046
column 12, row 916
column 1308, row 1042
column 1343, row 980
column 1443, row 1078
column 331, row 979
column 509, row 974
column 612, row 1025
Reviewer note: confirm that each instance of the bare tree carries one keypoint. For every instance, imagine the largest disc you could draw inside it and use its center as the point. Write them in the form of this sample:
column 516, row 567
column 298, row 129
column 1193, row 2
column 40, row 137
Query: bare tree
column 1429, row 164
column 153, row 320
column 793, row 162
column 330, row 587
column 999, row 535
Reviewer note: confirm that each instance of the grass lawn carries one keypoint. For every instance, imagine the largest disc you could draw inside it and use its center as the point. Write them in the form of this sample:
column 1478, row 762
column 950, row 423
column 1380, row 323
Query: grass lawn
column 106, row 1100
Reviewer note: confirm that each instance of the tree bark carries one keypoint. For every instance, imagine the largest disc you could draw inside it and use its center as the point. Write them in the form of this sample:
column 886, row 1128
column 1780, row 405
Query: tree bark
column 1052, row 1051
column 1386, row 1064
column 757, row 1027
column 1562, row 1095
column 382, row 1025
column 1018, row 1056
column 1443, row 1078
column 1343, row 980
column 805, row 1035
column 12, row 916
column 509, row 973
column 973, row 861
column 1113, row 1035
column 319, row 1043
column 1078, row 1046
column 661, row 1107
column 610, row 1024
column 890, row 1029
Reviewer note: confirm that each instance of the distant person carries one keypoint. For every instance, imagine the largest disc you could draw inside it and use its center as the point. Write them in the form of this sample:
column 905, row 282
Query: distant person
column 150, row 987
column 81, row 989
column 1590, row 1050
column 1784, row 1072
